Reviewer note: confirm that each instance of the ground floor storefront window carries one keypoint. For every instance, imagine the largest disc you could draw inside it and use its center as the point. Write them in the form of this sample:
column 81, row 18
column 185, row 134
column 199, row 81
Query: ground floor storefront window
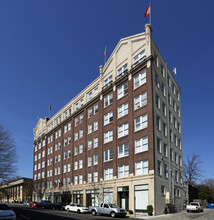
column 78, row 197
column 92, row 197
column 108, row 195
column 57, row 197
column 48, row 196
column 141, row 197
column 123, row 197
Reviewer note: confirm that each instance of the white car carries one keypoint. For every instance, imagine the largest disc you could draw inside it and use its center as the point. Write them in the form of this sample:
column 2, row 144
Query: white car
column 6, row 212
column 76, row 208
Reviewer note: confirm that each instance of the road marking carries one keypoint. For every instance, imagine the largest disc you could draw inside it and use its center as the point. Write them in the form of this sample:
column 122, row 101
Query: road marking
column 24, row 217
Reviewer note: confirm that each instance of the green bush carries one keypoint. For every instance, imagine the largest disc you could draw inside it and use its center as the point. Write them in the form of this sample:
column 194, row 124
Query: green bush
column 149, row 208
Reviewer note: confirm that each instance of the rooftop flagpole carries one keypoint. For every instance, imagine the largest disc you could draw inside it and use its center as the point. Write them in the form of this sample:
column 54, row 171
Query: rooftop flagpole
column 150, row 14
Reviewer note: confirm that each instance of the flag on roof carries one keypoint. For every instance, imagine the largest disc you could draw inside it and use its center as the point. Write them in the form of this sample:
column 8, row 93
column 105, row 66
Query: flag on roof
column 148, row 10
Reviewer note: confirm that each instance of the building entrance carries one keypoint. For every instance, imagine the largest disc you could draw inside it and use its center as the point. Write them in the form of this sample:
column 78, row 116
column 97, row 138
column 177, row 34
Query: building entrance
column 123, row 197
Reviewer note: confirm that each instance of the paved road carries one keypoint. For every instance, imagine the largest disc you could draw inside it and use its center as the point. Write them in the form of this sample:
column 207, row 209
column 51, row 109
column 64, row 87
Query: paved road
column 27, row 213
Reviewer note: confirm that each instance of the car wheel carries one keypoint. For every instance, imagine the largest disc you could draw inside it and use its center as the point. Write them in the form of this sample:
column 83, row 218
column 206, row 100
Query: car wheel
column 113, row 214
column 93, row 212
column 68, row 210
column 78, row 211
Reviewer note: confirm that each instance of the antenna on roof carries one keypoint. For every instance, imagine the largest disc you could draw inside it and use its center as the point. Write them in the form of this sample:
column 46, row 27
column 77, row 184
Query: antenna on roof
column 174, row 71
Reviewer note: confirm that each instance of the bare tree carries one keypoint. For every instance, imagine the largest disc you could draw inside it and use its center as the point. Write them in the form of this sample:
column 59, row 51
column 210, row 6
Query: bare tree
column 39, row 187
column 8, row 154
column 192, row 169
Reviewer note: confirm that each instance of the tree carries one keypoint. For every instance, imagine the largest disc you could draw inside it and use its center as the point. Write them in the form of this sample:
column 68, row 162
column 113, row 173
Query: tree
column 8, row 156
column 39, row 187
column 192, row 169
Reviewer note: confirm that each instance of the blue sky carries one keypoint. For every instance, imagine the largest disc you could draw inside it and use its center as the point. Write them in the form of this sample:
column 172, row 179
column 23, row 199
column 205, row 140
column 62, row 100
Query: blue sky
column 46, row 47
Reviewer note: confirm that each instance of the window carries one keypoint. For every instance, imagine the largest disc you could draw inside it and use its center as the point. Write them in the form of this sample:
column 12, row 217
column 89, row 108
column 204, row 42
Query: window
column 176, row 158
column 69, row 139
column 43, row 153
column 170, row 117
column 56, row 134
column 89, row 112
column 108, row 174
column 140, row 101
column 156, row 60
column 59, row 145
column 95, row 142
column 141, row 122
column 76, row 136
column 140, row 79
column 159, row 168
column 69, row 126
column 80, row 179
column 89, row 161
column 89, row 128
column 65, row 129
column 59, row 157
column 164, row 129
column 65, row 141
column 80, row 164
column 81, row 102
column 96, row 176
column 123, row 171
column 122, row 91
column 179, row 144
column 81, row 118
column 171, row 154
column 108, row 81
column 69, row 153
column 122, row 70
column 80, row 148
column 108, row 118
column 95, row 109
column 108, row 136
column 59, row 170
column 59, row 132
column 76, row 121
column 141, row 167
column 157, row 101
column 65, row 155
column 174, row 105
column 163, row 89
column 164, row 108
column 163, row 70
column 75, row 165
column 123, row 130
column 96, row 125
column 64, row 168
column 89, row 177
column 95, row 91
column 90, row 95
column 165, row 150
column 75, row 180
column 108, row 155
column 141, row 144
column 174, row 122
column 122, row 110
column 158, row 123
column 81, row 133
column 157, row 83
column 95, row 159
column 123, row 150
column 108, row 100
column 77, row 106
column 89, row 144
column 158, row 145
column 69, row 167
column 139, row 57
column 163, row 190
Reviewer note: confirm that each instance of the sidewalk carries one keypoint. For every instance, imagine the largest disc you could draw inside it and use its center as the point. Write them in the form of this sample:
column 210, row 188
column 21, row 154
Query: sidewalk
column 152, row 217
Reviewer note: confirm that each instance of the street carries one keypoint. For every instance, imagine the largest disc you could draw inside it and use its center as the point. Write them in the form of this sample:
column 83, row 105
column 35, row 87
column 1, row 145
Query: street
column 28, row 213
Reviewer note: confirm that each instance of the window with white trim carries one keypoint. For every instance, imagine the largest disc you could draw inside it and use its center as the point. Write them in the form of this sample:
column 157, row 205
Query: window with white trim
column 80, row 148
column 139, row 56
column 95, row 108
column 108, row 155
column 69, row 167
column 65, row 129
column 108, row 118
column 89, row 177
column 77, row 106
column 140, row 100
column 65, row 141
column 108, row 136
column 81, row 133
column 95, row 142
column 95, row 91
column 76, row 165
column 90, row 113
column 81, row 118
column 75, row 180
column 89, row 128
column 122, row 70
column 81, row 102
column 123, row 110
column 96, row 125
column 141, row 167
column 159, row 167
column 80, row 164
column 64, row 168
column 90, row 95
column 123, row 130
column 108, row 174
column 76, row 136
column 140, row 79
column 95, row 159
column 108, row 100
column 89, row 161
column 123, row 150
column 122, row 91
column 108, row 81
column 76, row 121
column 80, row 179
column 123, row 171
column 141, row 122
column 141, row 144
column 89, row 144
column 96, row 176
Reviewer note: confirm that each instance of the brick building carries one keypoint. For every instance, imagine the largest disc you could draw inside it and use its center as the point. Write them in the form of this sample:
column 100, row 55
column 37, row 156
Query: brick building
column 119, row 140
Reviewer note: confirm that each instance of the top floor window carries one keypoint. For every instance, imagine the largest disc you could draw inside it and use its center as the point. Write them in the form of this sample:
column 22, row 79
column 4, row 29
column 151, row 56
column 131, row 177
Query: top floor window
column 90, row 95
column 108, row 81
column 140, row 79
column 81, row 102
column 122, row 70
column 122, row 91
column 140, row 56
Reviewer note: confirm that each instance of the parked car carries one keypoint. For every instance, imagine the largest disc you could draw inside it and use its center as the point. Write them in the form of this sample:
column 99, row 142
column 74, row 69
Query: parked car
column 32, row 204
column 107, row 209
column 25, row 203
column 76, row 208
column 58, row 205
column 194, row 206
column 6, row 212
column 44, row 204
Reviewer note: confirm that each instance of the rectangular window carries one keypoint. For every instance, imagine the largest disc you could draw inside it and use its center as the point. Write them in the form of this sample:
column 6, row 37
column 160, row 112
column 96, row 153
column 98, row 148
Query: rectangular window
column 122, row 91
column 95, row 142
column 141, row 167
column 108, row 118
column 95, row 91
column 159, row 145
column 163, row 89
column 158, row 123
column 75, row 165
column 89, row 177
column 122, row 110
column 80, row 164
column 76, row 121
column 108, row 100
column 89, row 144
column 96, row 125
column 95, row 159
column 89, row 128
column 165, row 171
column 140, row 79
column 81, row 133
column 75, row 180
column 164, row 108
column 95, row 109
column 107, row 81
column 141, row 122
column 80, row 179
column 123, row 150
column 95, row 176
column 69, row 167
column 108, row 136
column 141, row 144
column 77, row 106
column 89, row 161
column 164, row 129
column 65, row 141
column 139, row 57
column 163, row 70
column 90, row 113
column 123, row 130
column 159, row 168
column 69, row 139
column 165, row 153
column 157, row 82
column 108, row 155
column 65, row 129
column 90, row 95
column 80, row 148
column 108, row 174
column 76, row 136
column 65, row 155
column 157, row 101
column 64, row 168
column 156, row 59
column 122, row 70
column 81, row 102
column 81, row 118
column 140, row 101
column 123, row 171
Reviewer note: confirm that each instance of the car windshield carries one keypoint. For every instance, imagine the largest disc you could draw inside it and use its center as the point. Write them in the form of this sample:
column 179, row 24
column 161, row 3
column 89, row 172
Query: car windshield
column 79, row 205
column 4, row 207
column 194, row 204
column 113, row 206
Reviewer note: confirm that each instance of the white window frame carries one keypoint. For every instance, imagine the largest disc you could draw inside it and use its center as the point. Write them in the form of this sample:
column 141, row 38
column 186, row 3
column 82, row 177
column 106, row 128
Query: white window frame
column 122, row 90
column 108, row 118
column 139, row 79
column 141, row 144
column 123, row 171
column 108, row 174
column 139, row 56
column 108, row 136
column 143, row 122
column 141, row 167
column 108, row 100
column 123, row 110
column 123, row 150
column 108, row 155
column 123, row 130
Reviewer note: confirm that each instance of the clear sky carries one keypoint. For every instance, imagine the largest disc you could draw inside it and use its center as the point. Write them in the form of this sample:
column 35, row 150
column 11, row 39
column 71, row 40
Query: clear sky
column 51, row 50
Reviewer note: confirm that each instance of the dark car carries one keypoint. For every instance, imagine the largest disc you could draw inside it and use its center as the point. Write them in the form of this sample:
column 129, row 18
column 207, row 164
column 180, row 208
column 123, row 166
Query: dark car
column 44, row 204
column 58, row 205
